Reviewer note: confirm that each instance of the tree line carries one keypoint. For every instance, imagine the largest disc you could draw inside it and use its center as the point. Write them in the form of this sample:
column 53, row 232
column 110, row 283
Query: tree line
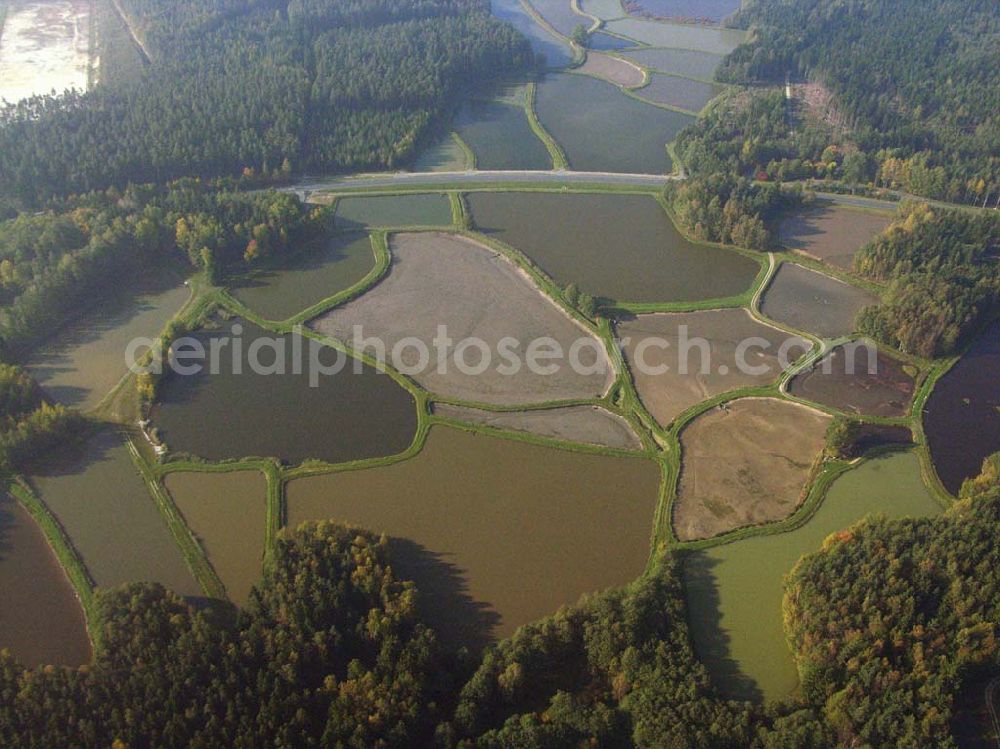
column 268, row 86
column 914, row 82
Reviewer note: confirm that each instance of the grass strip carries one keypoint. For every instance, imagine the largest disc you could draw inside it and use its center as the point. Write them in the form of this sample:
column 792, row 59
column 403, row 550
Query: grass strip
column 559, row 160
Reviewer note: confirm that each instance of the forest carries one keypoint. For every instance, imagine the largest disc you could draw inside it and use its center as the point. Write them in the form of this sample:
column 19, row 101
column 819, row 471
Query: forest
column 942, row 275
column 263, row 88
column 915, row 82
column 331, row 651
column 51, row 261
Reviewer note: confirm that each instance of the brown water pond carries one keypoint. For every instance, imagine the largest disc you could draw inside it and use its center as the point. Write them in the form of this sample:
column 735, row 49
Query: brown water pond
column 496, row 533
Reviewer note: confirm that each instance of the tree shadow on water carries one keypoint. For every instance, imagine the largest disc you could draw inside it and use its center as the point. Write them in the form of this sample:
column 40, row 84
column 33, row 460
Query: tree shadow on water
column 444, row 601
column 711, row 640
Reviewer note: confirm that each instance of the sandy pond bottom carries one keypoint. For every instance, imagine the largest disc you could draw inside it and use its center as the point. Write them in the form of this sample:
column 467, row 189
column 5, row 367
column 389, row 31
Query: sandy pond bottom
column 41, row 621
column 745, row 463
column 622, row 247
column 44, row 47
column 496, row 533
column 101, row 501
column 226, row 513
column 444, row 279
column 590, row 425
column 832, row 233
column 735, row 591
column 814, row 302
column 699, row 350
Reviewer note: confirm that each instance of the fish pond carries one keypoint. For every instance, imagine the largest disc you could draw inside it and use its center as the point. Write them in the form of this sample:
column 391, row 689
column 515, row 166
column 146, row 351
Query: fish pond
column 501, row 138
column 674, row 91
column 735, row 591
column 248, row 408
column 86, row 359
column 496, row 533
column 691, row 63
column 621, row 247
column 555, row 52
column 362, row 212
column 701, row 10
column 292, row 283
column 226, row 512
column 100, row 499
column 681, row 36
column 41, row 621
column 814, row 302
column 962, row 417
column 601, row 129
column 832, row 233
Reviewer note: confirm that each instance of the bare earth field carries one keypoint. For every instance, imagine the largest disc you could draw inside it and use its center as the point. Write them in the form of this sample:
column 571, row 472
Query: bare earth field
column 745, row 463
column 832, row 233
column 845, row 381
column 668, row 393
column 590, row 425
column 612, row 69
column 814, row 302
column 45, row 47
column 442, row 279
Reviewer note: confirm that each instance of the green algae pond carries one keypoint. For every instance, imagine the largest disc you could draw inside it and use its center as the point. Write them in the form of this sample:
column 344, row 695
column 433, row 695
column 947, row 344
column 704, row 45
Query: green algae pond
column 101, row 501
column 362, row 212
column 622, row 247
column 226, row 512
column 602, row 129
column 735, row 591
column 86, row 359
column 41, row 621
column 239, row 412
column 290, row 284
column 442, row 155
column 501, row 138
column 496, row 533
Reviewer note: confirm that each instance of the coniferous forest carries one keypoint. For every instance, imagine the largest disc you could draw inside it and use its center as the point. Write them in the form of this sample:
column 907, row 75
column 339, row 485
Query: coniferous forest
column 263, row 87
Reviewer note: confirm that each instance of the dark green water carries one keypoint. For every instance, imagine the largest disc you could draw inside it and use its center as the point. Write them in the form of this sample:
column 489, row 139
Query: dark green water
column 232, row 415
column 619, row 246
column 393, row 210
column 603, row 130
column 291, row 284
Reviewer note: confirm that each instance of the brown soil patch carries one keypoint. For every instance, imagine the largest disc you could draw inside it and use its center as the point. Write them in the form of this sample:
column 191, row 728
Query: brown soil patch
column 745, row 463
column 666, row 394
column 613, row 69
column 831, row 233
column 477, row 293
column 590, row 425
